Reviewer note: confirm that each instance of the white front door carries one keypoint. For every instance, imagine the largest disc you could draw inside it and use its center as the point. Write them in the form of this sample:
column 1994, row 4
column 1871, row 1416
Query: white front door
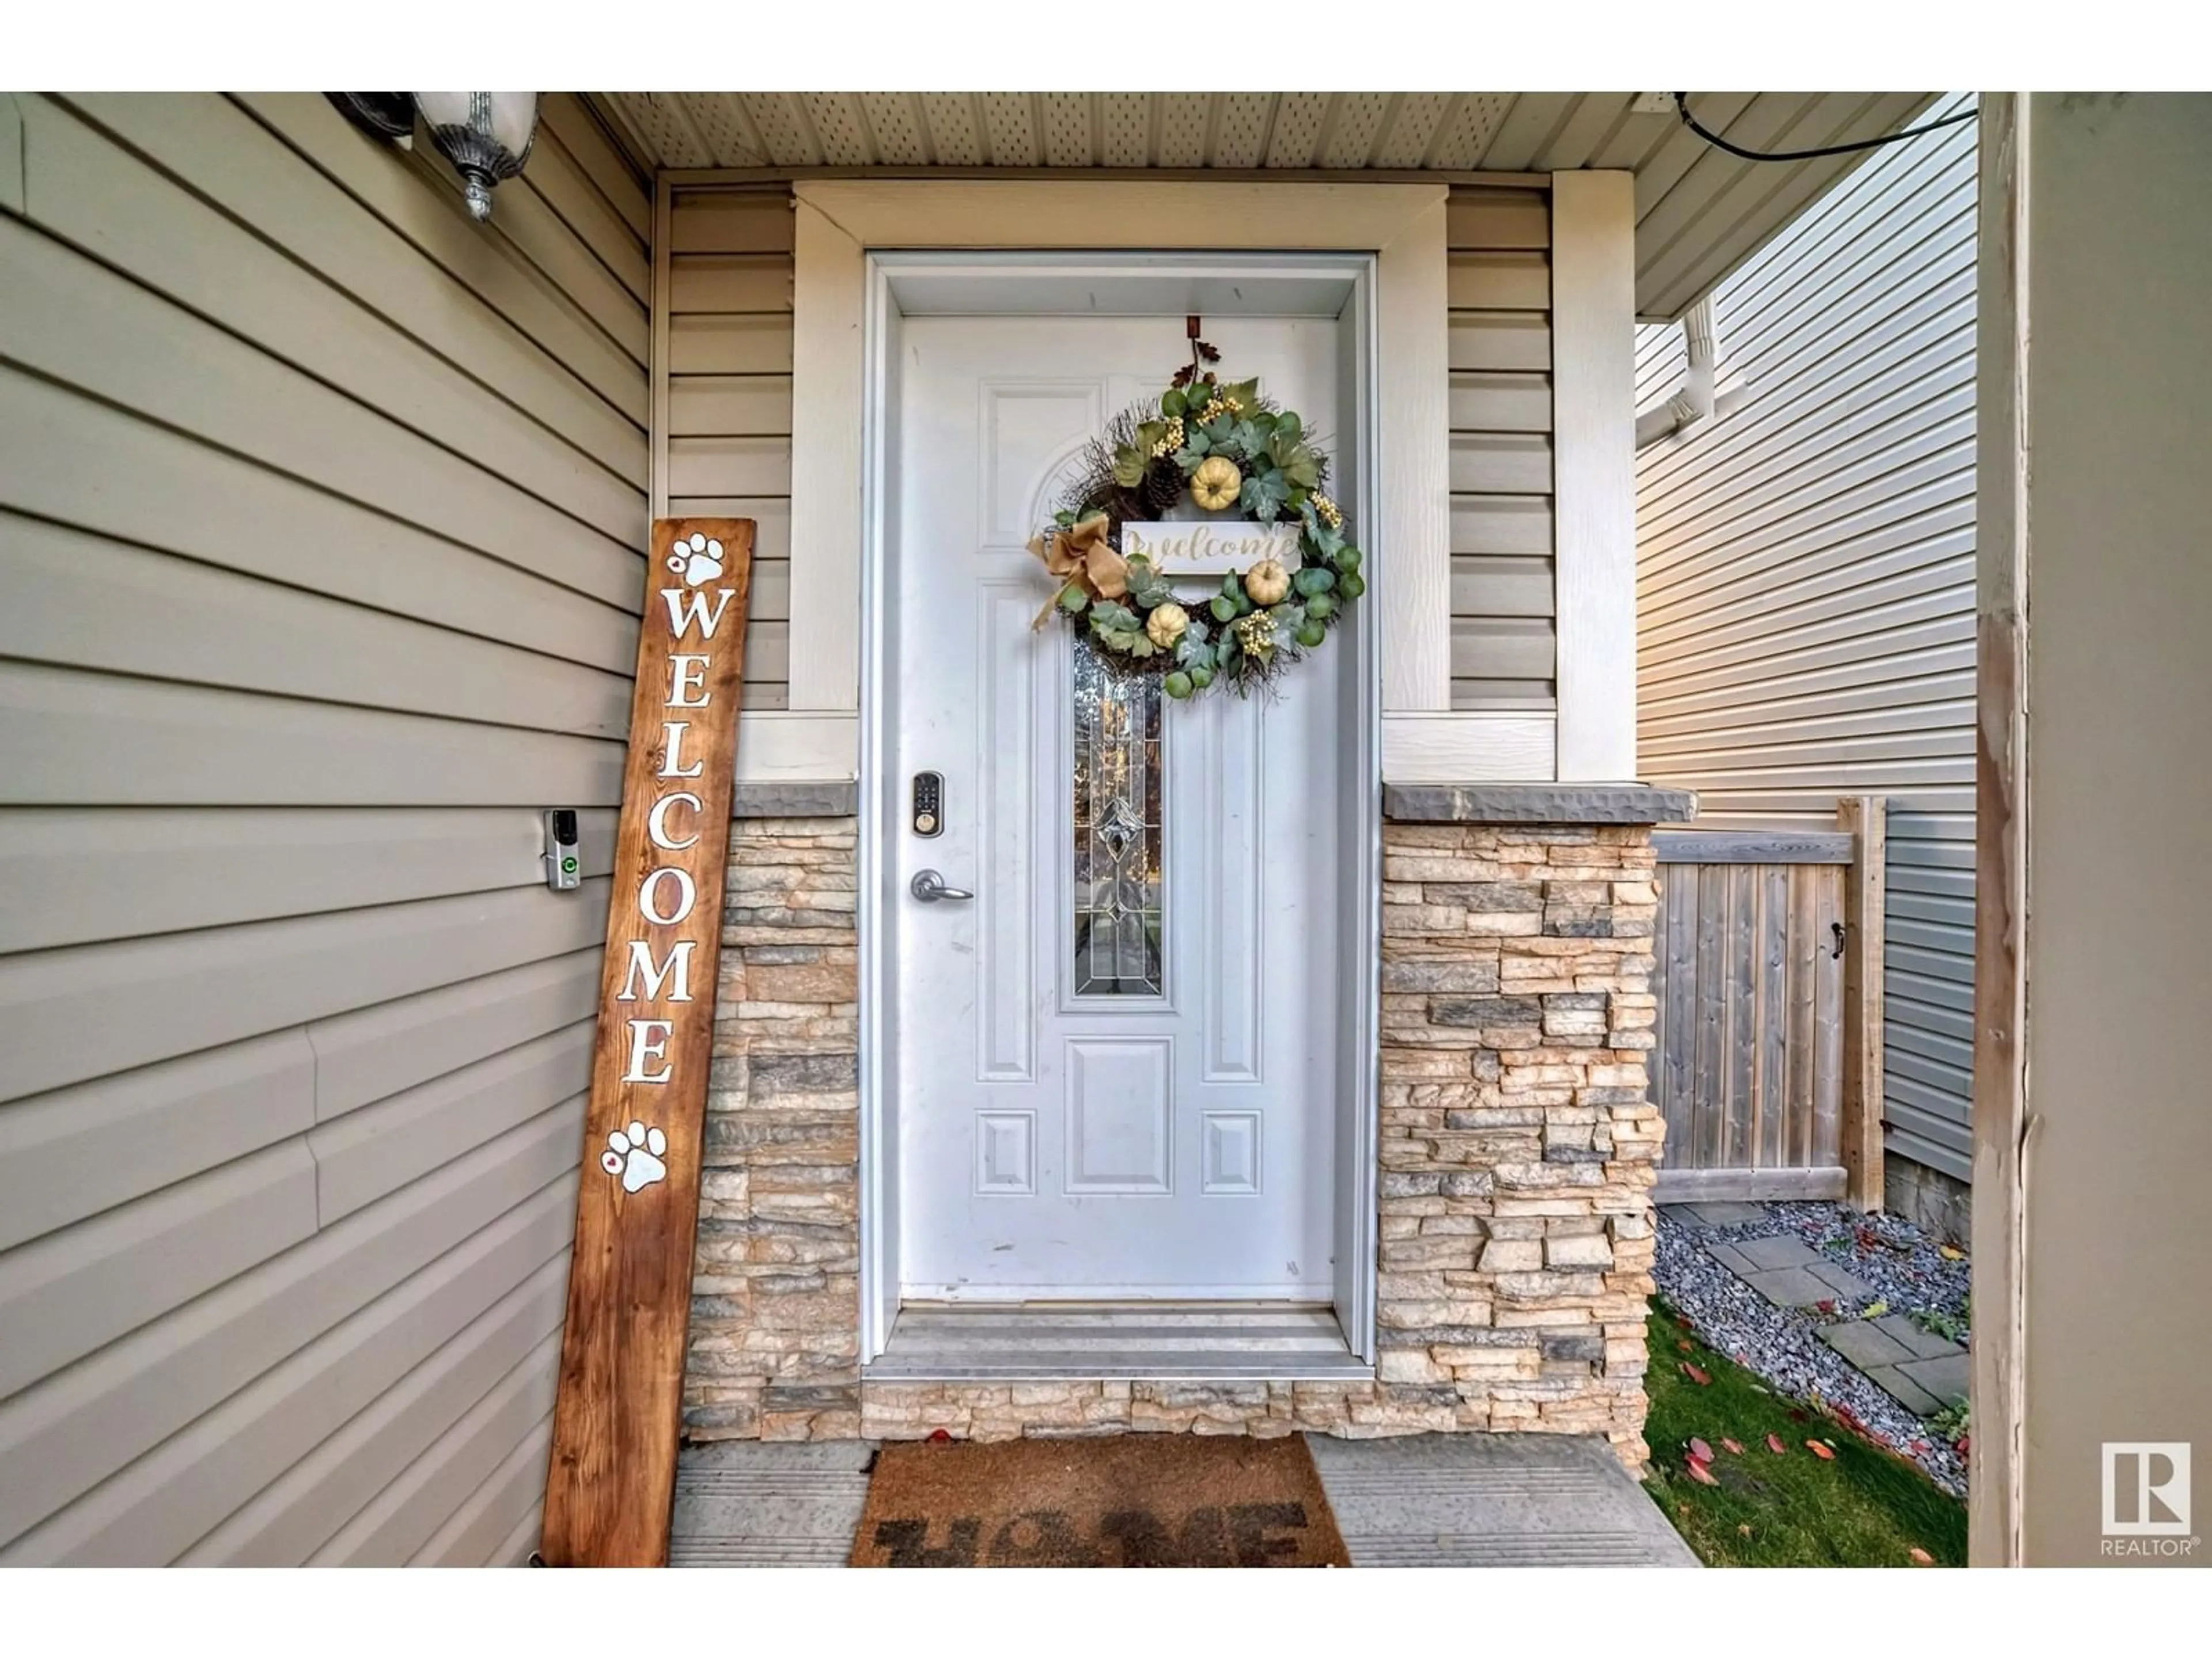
column 1117, row 1067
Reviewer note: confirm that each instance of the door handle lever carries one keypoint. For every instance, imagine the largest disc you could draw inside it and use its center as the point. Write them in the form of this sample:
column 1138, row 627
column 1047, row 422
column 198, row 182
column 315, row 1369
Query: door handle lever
column 929, row 887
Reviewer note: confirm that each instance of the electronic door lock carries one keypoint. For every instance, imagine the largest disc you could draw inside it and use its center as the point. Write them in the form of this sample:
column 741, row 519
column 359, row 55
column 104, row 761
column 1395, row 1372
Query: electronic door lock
column 929, row 814
column 564, row 864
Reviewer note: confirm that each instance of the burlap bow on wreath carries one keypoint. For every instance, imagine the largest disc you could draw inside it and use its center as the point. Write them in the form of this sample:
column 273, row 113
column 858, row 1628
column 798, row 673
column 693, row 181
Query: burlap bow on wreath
column 1080, row 556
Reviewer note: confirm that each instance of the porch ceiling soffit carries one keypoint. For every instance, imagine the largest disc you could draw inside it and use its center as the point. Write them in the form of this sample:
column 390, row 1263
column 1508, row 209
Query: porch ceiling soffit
column 1700, row 211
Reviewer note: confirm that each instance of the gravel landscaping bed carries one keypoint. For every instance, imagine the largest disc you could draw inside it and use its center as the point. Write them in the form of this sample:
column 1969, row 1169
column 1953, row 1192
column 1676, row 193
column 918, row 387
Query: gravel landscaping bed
column 1906, row 1269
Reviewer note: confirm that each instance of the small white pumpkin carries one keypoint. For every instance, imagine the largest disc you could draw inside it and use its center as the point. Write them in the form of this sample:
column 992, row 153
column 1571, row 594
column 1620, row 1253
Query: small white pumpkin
column 1216, row 484
column 1166, row 625
column 1268, row 582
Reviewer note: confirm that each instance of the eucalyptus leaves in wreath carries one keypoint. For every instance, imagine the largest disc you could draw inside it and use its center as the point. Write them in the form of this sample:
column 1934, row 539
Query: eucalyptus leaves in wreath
column 1234, row 454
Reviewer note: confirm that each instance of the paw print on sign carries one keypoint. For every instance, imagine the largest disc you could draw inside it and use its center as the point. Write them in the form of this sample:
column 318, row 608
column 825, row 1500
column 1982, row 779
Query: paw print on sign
column 636, row 1156
column 697, row 559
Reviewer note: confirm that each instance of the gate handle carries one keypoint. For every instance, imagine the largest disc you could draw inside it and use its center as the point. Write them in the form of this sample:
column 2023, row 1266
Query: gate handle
column 1836, row 928
column 929, row 887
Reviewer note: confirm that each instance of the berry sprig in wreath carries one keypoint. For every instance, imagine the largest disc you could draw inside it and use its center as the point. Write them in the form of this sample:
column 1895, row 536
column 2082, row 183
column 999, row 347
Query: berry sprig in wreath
column 1233, row 453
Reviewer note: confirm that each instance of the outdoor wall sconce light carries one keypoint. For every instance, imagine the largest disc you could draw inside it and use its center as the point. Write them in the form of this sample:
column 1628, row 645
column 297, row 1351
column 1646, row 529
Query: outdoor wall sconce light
column 485, row 134
column 387, row 115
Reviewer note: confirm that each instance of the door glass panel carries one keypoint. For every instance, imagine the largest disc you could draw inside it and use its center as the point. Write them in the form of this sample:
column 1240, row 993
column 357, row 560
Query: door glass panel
column 1118, row 937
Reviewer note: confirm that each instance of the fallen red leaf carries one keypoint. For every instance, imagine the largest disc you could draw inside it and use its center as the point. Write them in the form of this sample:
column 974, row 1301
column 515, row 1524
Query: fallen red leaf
column 940, row 1437
column 1683, row 1320
column 1921, row 1558
column 1700, row 1452
column 1735, row 1446
column 1774, row 1445
column 1700, row 1474
column 1701, row 1378
column 1684, row 1346
column 1820, row 1451
column 1796, row 1416
column 1827, row 1305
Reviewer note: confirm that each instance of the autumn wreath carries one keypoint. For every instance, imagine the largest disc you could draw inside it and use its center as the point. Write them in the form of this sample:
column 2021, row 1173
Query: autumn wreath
column 1236, row 455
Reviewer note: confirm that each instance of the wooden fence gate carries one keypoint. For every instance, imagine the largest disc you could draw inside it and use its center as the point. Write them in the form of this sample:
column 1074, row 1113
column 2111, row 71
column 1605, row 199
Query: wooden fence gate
column 1769, row 979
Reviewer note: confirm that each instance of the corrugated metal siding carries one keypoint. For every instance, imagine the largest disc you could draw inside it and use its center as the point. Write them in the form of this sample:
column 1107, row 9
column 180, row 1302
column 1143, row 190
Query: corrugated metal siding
column 323, row 510
column 729, row 396
column 1806, row 579
column 1505, row 642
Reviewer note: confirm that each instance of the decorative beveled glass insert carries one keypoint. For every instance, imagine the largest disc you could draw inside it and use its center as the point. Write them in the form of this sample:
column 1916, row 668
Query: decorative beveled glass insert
column 1118, row 821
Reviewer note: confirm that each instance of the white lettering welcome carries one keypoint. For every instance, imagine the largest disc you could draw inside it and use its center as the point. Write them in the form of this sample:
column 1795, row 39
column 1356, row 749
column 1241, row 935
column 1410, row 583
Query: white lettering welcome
column 672, row 752
column 687, row 895
column 656, row 821
column 645, row 1047
column 668, row 893
column 642, row 968
column 687, row 611
column 687, row 673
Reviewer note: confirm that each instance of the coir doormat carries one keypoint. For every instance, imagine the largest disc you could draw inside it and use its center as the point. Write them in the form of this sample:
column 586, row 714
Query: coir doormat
column 1151, row 1500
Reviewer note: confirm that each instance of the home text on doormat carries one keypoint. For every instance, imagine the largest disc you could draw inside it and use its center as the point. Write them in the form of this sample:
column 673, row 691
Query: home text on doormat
column 1132, row 1501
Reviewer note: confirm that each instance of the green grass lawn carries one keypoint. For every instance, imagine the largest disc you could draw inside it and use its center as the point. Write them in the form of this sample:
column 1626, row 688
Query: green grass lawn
column 1864, row 1508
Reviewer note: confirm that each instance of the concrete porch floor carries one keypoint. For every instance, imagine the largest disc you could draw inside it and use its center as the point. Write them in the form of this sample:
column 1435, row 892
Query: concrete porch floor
column 1433, row 1500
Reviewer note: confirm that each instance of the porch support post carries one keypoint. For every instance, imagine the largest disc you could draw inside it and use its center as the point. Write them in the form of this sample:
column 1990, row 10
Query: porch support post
column 1594, row 463
column 1998, row 1393
column 1866, row 888
column 2093, row 1335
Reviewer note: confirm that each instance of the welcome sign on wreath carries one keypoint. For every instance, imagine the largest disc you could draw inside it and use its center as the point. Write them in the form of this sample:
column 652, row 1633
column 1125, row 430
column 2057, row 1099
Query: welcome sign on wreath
column 618, row 1416
column 1284, row 554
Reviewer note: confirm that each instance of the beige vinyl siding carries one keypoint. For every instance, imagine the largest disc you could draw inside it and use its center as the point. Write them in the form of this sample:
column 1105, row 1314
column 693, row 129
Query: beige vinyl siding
column 1806, row 579
column 729, row 395
column 323, row 511
column 729, row 423
column 1504, row 643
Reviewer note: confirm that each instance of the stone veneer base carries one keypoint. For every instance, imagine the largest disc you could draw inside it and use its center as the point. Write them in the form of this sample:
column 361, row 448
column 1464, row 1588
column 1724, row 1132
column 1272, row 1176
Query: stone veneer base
column 1517, row 1152
column 1929, row 1198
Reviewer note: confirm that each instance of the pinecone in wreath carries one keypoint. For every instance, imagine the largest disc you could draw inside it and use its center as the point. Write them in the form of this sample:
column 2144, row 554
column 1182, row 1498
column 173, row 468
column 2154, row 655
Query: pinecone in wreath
column 1162, row 489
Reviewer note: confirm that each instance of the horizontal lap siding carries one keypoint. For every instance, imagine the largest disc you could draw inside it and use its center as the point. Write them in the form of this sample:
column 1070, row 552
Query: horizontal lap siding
column 729, row 396
column 324, row 510
column 1806, row 579
column 1504, row 644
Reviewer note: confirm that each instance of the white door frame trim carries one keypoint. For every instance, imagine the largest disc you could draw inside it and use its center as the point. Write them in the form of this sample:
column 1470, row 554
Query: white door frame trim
column 1019, row 277
column 838, row 222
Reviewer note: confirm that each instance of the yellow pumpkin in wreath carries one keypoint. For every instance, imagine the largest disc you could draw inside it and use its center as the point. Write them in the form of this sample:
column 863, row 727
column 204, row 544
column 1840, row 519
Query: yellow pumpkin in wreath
column 1216, row 484
column 1268, row 582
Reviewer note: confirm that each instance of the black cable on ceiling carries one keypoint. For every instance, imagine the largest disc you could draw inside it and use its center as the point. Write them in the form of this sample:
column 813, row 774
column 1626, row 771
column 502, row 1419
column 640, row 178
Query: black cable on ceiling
column 1682, row 105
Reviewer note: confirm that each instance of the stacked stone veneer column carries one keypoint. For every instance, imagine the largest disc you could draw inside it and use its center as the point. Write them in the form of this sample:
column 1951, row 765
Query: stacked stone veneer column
column 1518, row 1147
column 775, row 1335
column 1516, row 1153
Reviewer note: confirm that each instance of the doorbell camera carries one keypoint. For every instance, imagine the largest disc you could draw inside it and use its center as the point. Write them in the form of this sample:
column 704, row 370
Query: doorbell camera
column 564, row 864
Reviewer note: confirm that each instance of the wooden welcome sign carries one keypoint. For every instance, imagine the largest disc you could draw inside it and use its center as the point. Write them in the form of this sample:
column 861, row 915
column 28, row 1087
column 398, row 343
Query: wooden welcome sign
column 619, row 1412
